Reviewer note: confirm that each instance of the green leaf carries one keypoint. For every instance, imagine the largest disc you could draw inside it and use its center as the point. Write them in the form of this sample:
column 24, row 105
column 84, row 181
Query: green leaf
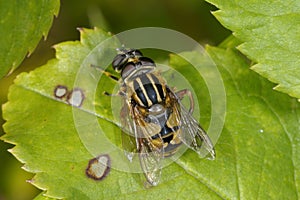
column 23, row 23
column 257, row 153
column 269, row 31
column 261, row 135
column 41, row 196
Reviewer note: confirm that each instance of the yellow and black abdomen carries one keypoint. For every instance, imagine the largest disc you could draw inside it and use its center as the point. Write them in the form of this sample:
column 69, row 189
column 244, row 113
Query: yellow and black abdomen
column 150, row 93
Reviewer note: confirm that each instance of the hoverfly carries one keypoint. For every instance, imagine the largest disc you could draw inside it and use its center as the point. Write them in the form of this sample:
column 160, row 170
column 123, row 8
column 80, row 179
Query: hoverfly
column 154, row 114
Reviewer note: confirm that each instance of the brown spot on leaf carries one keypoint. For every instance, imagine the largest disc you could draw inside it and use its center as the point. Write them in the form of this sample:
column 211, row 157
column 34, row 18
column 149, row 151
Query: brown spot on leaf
column 60, row 91
column 99, row 167
column 75, row 97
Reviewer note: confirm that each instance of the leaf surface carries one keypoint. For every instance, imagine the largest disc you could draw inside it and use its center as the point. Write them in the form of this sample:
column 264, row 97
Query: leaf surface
column 257, row 153
column 269, row 31
column 23, row 23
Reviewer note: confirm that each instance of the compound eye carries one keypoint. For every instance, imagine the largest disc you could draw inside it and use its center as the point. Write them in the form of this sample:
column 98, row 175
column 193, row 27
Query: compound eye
column 119, row 61
column 146, row 61
column 137, row 53
column 128, row 69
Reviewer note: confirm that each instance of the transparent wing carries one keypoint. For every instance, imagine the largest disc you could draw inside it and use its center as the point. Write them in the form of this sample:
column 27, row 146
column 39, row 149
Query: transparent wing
column 150, row 152
column 192, row 134
column 136, row 138
column 128, row 126
column 150, row 160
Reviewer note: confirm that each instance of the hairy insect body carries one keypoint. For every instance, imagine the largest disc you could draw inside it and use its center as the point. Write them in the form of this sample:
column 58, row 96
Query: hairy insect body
column 148, row 94
column 154, row 115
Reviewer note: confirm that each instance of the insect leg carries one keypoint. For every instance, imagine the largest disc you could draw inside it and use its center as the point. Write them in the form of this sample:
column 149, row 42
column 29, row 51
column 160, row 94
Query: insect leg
column 120, row 93
column 109, row 75
column 114, row 78
column 180, row 94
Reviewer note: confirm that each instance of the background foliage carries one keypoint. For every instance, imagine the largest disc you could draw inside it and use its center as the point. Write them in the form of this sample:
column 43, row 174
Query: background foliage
column 20, row 37
column 194, row 20
column 251, row 151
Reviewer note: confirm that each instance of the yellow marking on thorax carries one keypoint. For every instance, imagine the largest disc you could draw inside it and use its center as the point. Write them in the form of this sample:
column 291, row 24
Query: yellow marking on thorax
column 131, row 93
column 155, row 88
column 144, row 92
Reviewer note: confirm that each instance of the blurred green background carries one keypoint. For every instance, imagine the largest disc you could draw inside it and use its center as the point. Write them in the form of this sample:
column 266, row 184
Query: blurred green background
column 192, row 17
